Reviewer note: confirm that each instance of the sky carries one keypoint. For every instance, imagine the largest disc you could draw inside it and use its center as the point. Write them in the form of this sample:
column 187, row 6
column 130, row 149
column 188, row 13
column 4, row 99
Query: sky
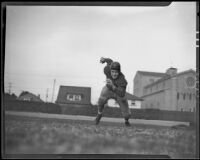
column 65, row 44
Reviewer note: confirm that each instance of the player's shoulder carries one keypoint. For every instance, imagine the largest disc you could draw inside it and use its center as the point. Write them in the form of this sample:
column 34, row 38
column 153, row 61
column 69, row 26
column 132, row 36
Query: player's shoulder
column 122, row 80
column 122, row 76
column 107, row 69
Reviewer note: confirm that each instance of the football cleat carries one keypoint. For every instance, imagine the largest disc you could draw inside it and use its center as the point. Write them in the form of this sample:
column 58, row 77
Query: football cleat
column 97, row 120
column 127, row 123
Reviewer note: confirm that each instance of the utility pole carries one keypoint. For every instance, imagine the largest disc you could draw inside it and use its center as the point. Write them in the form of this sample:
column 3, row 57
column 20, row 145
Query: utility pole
column 54, row 82
column 47, row 94
column 9, row 88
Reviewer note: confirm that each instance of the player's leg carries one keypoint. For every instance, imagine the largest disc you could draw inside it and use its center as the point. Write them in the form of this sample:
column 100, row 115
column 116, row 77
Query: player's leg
column 101, row 102
column 123, row 103
column 104, row 96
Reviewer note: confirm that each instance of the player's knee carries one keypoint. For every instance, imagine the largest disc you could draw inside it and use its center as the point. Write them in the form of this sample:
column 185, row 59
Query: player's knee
column 102, row 101
column 123, row 102
column 123, row 99
column 106, row 93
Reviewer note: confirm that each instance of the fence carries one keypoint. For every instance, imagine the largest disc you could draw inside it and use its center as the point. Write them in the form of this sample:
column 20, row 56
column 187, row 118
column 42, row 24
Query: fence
column 91, row 110
column 27, row 106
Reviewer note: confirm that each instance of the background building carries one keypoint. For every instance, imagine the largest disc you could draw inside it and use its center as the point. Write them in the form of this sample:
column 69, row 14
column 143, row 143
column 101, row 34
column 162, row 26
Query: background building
column 133, row 101
column 143, row 78
column 74, row 96
column 174, row 91
column 27, row 96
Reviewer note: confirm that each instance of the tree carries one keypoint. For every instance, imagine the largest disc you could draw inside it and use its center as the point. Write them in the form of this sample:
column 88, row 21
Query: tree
column 8, row 96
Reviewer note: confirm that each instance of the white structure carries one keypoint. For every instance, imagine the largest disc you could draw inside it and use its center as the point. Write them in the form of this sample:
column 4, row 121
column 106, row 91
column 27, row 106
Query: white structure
column 133, row 101
column 174, row 91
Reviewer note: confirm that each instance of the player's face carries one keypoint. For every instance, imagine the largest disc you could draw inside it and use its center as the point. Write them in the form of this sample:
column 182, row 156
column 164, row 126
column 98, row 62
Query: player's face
column 114, row 74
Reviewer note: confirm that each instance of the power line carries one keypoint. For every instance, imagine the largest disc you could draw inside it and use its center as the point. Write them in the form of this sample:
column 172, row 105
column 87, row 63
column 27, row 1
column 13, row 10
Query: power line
column 47, row 94
column 25, row 88
column 54, row 82
column 34, row 75
column 8, row 85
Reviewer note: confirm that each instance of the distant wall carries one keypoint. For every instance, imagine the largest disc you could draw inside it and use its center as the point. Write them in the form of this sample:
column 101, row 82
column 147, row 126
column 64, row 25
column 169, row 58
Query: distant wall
column 28, row 106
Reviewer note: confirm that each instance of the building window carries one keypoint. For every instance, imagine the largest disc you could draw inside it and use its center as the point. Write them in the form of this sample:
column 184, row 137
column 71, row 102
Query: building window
column 74, row 97
column 190, row 96
column 77, row 97
column 177, row 95
column 27, row 99
column 190, row 81
column 184, row 96
column 132, row 102
column 70, row 97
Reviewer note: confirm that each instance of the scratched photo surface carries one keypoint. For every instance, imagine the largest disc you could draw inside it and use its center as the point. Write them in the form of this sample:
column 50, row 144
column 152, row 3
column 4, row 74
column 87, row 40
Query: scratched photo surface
column 53, row 78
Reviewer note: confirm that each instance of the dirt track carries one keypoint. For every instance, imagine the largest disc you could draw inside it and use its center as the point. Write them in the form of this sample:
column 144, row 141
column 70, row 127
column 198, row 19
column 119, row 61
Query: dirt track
column 104, row 119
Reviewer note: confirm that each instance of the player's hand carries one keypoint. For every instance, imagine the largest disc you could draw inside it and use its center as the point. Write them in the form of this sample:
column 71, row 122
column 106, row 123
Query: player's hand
column 102, row 60
column 110, row 83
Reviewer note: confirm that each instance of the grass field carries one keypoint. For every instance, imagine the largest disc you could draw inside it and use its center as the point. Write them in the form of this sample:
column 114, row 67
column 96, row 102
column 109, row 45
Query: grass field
column 51, row 136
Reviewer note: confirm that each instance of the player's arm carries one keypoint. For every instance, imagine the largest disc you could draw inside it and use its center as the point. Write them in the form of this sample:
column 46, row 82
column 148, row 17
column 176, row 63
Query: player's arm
column 107, row 67
column 107, row 60
column 120, row 91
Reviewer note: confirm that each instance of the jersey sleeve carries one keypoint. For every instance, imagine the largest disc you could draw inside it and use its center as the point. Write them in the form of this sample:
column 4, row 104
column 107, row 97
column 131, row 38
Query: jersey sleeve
column 108, row 61
column 107, row 71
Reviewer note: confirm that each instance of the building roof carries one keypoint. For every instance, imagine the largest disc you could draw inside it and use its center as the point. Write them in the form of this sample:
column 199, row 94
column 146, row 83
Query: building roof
column 86, row 91
column 166, row 77
column 29, row 94
column 24, row 93
column 74, row 87
column 146, row 73
column 132, row 97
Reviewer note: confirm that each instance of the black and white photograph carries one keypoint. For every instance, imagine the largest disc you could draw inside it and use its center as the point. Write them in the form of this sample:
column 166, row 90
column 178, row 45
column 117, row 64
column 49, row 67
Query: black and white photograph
column 100, row 80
